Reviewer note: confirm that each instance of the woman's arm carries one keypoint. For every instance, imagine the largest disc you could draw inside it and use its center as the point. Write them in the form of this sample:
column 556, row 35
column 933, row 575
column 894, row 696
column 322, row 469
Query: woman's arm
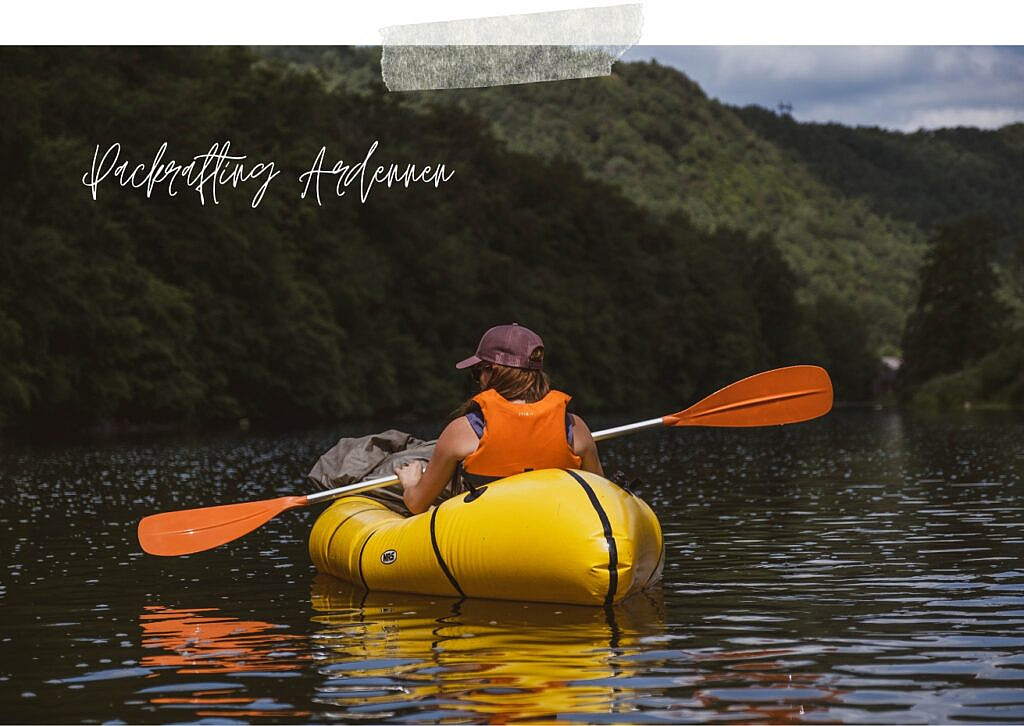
column 421, row 486
column 584, row 446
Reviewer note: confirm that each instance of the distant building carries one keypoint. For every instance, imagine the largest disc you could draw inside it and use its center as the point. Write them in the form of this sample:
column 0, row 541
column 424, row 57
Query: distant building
column 887, row 375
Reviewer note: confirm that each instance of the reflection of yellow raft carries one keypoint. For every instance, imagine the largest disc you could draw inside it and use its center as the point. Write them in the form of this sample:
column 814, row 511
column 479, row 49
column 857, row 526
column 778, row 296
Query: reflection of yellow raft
column 551, row 536
column 481, row 661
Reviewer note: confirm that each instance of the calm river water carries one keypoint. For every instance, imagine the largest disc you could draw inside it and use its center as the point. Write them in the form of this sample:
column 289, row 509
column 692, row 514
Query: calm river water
column 864, row 568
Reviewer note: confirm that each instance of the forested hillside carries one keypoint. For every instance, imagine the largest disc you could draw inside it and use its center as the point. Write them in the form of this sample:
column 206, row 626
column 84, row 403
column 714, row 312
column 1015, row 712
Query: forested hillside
column 929, row 178
column 654, row 133
column 850, row 208
column 661, row 246
column 130, row 308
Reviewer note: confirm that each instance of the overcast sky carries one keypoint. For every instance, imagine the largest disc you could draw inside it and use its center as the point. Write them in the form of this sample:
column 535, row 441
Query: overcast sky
column 896, row 87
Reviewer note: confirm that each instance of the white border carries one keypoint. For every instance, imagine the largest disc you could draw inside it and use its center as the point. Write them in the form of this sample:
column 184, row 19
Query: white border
column 666, row 22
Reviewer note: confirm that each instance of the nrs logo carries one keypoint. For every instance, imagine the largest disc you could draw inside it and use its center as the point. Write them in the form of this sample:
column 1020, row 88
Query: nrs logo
column 388, row 557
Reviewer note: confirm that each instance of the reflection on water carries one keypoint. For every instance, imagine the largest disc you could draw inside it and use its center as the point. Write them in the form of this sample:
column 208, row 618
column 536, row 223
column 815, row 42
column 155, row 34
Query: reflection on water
column 384, row 655
column 400, row 657
column 864, row 568
column 203, row 641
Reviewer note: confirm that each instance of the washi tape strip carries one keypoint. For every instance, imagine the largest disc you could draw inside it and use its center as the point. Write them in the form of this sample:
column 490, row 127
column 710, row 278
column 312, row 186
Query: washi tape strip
column 510, row 49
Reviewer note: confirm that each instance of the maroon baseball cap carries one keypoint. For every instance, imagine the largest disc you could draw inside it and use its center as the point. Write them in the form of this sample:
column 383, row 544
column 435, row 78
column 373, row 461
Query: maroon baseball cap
column 508, row 345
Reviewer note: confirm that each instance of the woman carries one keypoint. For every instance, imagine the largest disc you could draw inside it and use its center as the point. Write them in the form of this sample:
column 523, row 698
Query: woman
column 514, row 424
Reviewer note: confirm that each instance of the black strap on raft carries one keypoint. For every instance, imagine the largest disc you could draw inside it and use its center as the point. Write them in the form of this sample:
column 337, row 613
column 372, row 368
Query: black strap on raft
column 606, row 525
column 362, row 549
column 437, row 553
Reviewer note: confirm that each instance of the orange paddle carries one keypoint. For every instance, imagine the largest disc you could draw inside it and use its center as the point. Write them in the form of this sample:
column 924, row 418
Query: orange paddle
column 782, row 396
column 785, row 395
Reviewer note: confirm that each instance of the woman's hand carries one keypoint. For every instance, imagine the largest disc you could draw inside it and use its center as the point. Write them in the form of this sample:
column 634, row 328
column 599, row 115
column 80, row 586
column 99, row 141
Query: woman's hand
column 409, row 474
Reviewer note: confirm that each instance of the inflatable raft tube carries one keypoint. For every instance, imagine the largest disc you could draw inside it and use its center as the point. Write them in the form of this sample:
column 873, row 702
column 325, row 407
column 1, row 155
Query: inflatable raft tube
column 555, row 535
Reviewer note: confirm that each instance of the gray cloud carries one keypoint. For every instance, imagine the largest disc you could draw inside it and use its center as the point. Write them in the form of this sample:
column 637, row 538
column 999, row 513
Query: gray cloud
column 896, row 87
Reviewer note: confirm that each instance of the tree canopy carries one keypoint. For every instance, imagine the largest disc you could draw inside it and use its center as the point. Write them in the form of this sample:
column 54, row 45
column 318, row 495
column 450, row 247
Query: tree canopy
column 660, row 247
column 958, row 318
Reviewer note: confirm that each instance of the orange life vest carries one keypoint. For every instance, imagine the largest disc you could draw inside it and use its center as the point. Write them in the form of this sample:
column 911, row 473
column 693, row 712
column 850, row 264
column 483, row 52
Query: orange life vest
column 521, row 436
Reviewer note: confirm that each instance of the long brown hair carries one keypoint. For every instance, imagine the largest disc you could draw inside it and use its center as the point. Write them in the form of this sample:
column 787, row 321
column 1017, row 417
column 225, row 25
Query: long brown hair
column 514, row 384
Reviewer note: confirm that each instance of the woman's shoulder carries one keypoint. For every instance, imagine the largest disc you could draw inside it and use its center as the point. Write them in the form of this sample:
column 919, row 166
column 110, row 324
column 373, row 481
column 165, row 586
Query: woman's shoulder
column 578, row 423
column 458, row 438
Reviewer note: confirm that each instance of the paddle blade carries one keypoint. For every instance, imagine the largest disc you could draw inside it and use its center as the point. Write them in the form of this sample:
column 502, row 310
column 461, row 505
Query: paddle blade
column 195, row 530
column 781, row 396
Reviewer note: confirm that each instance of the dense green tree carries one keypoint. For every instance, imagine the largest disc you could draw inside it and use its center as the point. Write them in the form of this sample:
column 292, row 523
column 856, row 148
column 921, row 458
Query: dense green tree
column 842, row 334
column 773, row 286
column 928, row 177
column 958, row 318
